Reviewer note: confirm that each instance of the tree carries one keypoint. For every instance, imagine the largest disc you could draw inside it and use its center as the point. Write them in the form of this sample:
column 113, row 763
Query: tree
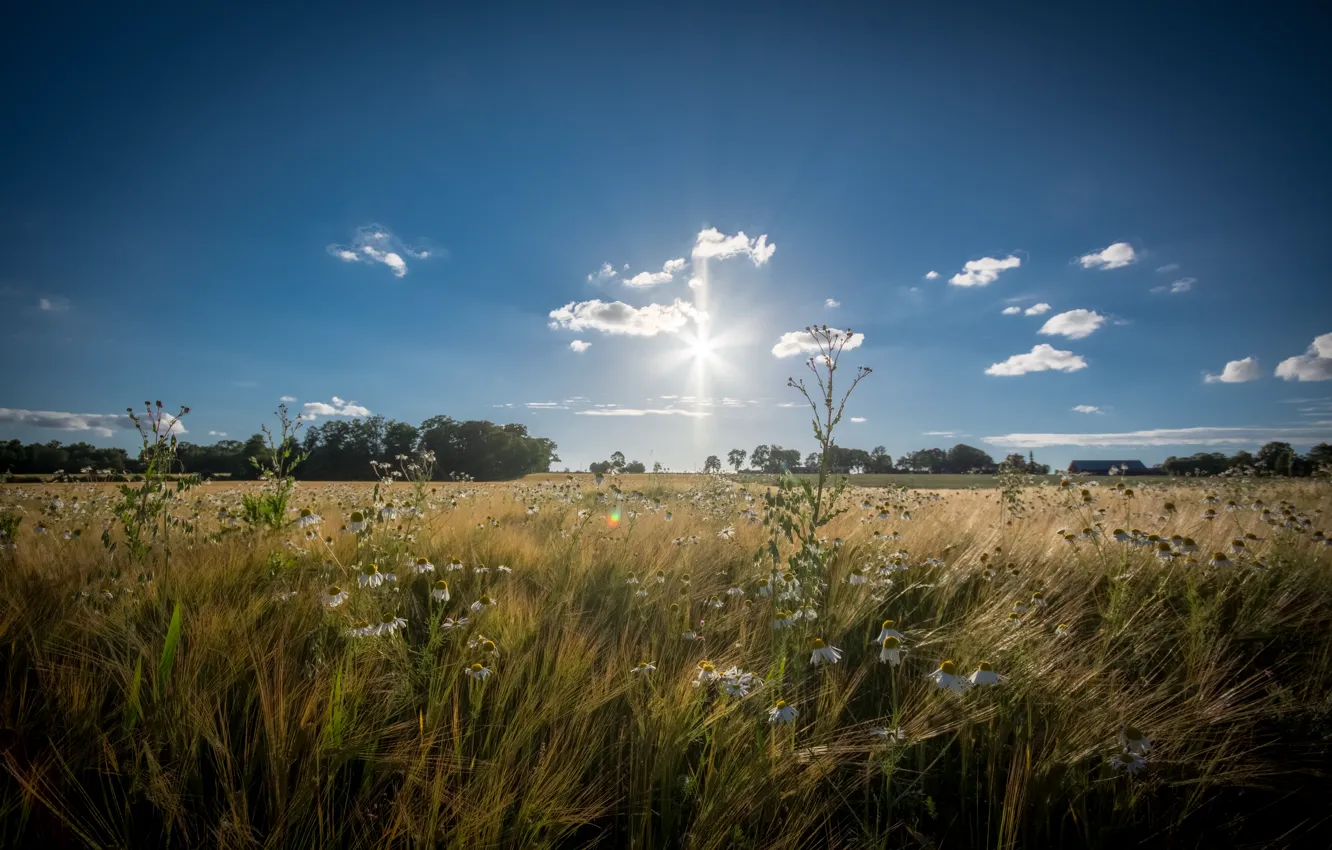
column 657, row 467
column 964, row 458
column 1320, row 456
column 634, row 467
column 812, row 460
column 759, row 457
column 617, row 461
column 712, row 464
column 1269, row 455
column 880, row 460
column 736, row 458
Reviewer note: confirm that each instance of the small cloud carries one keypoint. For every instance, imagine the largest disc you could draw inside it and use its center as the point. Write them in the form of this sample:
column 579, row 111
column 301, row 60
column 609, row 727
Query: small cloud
column 633, row 411
column 1313, row 365
column 712, row 243
column 1087, row 408
column 287, row 398
column 790, row 404
column 984, row 271
column 606, row 272
column 1114, row 256
column 1180, row 286
column 1011, row 311
column 646, row 279
column 695, row 283
column 858, row 419
column 1167, row 268
column 1041, row 358
column 579, row 346
column 217, row 433
column 1074, row 324
column 939, row 433
column 375, row 244
column 931, row 275
column 338, row 407
column 616, row 317
column 673, row 266
column 1237, row 372
column 1037, row 309
column 53, row 304
column 802, row 342
column 545, row 405
column 832, row 303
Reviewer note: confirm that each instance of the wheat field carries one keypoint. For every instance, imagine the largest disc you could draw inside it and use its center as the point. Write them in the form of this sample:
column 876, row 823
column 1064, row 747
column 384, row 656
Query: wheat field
column 219, row 691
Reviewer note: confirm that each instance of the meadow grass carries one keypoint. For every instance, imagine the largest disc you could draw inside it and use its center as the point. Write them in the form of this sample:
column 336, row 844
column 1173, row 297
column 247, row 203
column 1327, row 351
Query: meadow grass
column 215, row 699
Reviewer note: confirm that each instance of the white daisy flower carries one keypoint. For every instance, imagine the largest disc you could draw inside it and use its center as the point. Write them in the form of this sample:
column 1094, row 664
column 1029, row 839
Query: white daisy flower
column 440, row 592
column 421, row 565
column 643, row 668
column 727, row 533
column 357, row 522
column 888, row 631
column 706, row 674
column 1130, row 763
column 946, row 677
column 482, row 604
column 892, row 650
column 822, row 653
column 308, row 518
column 479, row 672
column 985, row 675
column 857, row 576
column 371, row 576
column 334, row 596
column 781, row 713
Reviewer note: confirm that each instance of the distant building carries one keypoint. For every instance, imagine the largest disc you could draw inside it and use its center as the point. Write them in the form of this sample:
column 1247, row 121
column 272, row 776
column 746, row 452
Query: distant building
column 1103, row 467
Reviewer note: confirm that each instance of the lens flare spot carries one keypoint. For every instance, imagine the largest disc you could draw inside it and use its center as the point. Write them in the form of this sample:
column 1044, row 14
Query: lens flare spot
column 613, row 519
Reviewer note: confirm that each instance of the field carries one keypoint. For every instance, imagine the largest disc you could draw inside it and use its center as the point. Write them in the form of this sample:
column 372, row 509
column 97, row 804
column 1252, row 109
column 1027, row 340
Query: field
column 241, row 684
column 918, row 481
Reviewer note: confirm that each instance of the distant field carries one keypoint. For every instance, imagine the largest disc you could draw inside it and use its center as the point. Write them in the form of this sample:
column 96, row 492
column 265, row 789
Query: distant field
column 912, row 481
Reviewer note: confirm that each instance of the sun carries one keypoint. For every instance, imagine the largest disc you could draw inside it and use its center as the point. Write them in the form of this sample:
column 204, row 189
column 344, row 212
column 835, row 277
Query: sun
column 702, row 349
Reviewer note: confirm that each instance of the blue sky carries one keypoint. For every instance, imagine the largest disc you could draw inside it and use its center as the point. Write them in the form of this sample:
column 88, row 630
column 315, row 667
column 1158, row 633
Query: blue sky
column 178, row 190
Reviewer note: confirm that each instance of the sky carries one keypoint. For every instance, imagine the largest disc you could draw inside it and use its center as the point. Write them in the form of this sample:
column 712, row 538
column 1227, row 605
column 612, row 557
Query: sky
column 1093, row 232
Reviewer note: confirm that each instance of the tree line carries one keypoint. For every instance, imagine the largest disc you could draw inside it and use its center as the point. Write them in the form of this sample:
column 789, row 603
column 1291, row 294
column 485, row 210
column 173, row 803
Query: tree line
column 1274, row 458
column 336, row 450
column 960, row 459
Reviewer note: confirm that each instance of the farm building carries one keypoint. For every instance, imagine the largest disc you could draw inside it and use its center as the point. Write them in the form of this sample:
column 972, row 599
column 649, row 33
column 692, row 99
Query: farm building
column 1103, row 467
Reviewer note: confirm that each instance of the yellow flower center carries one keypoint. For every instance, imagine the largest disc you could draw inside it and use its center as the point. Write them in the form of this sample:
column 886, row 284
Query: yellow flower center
column 706, row 666
column 1132, row 733
column 306, row 512
column 487, row 646
column 477, row 668
column 357, row 516
column 891, row 642
column 887, row 624
column 818, row 643
column 441, row 585
column 371, row 569
column 334, row 590
column 781, row 703
column 485, row 600
column 984, row 665
column 947, row 668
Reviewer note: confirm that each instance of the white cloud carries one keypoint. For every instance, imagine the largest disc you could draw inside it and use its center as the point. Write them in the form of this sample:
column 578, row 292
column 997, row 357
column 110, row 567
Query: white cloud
column 858, row 419
column 939, row 433
column 217, row 433
column 1037, row 309
column 645, row 279
column 606, row 272
column 673, row 266
column 1074, row 324
column 801, row 342
column 931, row 275
column 1314, row 365
column 695, row 283
column 632, row 411
column 1202, row 436
column 375, row 244
column 311, row 409
column 1114, row 256
column 101, row 424
column 1237, row 372
column 714, row 243
column 1087, row 408
column 54, row 304
column 288, row 398
column 1042, row 358
column 1011, row 311
column 545, row 405
column 1184, row 284
column 579, row 346
column 616, row 317
column 984, row 271
column 1167, row 268
column 832, row 303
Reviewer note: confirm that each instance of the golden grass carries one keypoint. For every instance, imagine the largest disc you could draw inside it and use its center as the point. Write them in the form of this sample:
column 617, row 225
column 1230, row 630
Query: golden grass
column 274, row 727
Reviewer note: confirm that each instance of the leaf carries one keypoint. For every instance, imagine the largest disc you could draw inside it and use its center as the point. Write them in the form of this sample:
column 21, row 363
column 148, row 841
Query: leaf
column 169, row 648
